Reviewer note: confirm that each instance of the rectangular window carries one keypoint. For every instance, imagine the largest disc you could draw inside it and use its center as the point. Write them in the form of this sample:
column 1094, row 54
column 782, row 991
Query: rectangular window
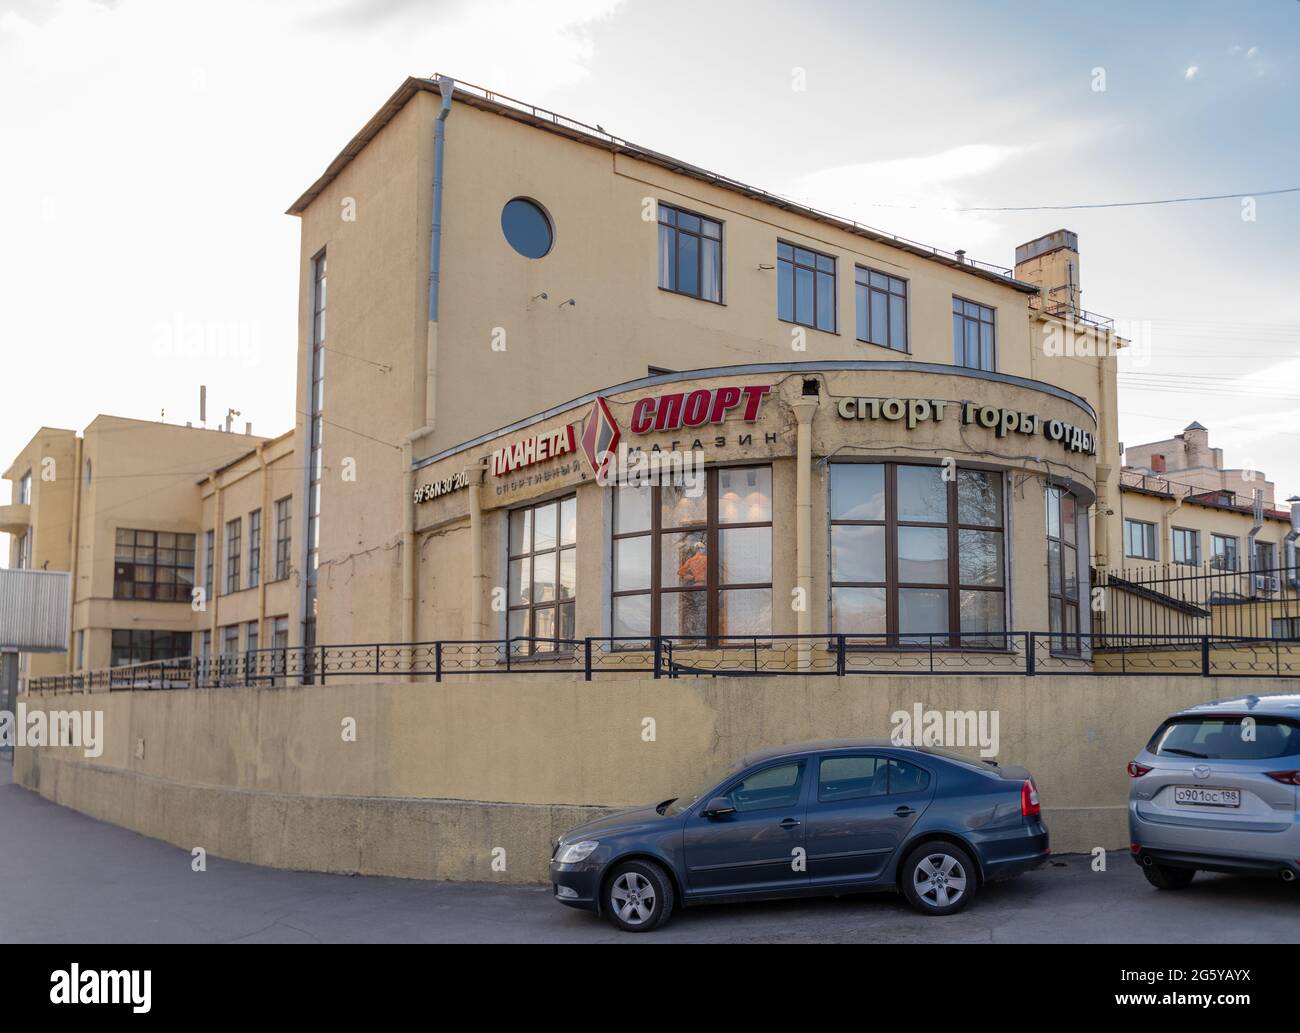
column 915, row 559
column 25, row 489
column 695, row 564
column 974, row 338
column 313, row 481
column 156, row 565
column 805, row 287
column 137, row 646
column 254, row 548
column 1063, row 516
column 283, row 538
column 1267, row 579
column 280, row 646
column 1286, row 627
column 1186, row 546
column 881, row 308
column 209, row 553
column 23, row 553
column 1140, row 540
column 234, row 535
column 251, row 632
column 1223, row 552
column 543, row 567
column 205, row 646
column 690, row 253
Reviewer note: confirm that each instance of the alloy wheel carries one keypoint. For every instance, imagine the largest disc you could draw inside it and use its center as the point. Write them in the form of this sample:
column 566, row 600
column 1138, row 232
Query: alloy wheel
column 633, row 896
column 939, row 880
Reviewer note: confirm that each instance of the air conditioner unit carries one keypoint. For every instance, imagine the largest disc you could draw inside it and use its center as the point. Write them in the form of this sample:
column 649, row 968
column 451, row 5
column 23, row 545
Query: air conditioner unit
column 1266, row 583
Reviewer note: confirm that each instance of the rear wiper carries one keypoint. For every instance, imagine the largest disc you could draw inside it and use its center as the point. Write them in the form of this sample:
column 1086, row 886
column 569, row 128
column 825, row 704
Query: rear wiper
column 1185, row 753
column 661, row 807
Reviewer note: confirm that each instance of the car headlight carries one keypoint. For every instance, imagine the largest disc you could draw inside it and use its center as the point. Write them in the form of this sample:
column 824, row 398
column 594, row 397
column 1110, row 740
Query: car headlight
column 575, row 852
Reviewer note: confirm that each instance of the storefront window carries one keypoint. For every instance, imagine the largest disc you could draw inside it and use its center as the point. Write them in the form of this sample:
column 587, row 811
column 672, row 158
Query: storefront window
column 917, row 559
column 543, row 573
column 1063, row 513
column 695, row 564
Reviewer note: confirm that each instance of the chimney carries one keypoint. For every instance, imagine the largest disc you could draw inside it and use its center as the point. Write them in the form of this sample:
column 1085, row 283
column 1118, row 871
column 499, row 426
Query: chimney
column 1158, row 463
column 1052, row 263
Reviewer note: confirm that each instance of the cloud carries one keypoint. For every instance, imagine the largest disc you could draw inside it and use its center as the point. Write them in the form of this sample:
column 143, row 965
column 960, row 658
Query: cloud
column 1192, row 72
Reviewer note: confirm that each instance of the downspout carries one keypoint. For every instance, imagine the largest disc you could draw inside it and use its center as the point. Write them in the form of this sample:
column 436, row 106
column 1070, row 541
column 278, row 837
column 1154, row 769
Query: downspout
column 71, row 664
column 446, row 87
column 1257, row 525
column 804, row 409
column 1289, row 542
column 477, row 577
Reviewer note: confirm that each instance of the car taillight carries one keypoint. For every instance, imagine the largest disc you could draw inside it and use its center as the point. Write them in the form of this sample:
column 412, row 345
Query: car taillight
column 1290, row 778
column 1137, row 770
column 1029, row 799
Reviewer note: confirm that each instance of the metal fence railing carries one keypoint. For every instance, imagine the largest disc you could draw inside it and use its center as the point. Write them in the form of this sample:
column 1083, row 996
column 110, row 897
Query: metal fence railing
column 1204, row 599
column 1027, row 653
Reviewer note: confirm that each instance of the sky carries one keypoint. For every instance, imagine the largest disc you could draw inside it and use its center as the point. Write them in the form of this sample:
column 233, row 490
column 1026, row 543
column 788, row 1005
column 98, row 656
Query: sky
column 149, row 148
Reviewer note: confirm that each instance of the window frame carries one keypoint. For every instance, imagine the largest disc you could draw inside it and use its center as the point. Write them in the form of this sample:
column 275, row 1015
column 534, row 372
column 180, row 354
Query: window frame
column 254, row 548
column 1065, row 642
column 1234, row 553
column 890, row 297
column 183, row 542
column 179, row 645
column 559, row 646
column 893, row 638
column 713, row 587
column 817, row 273
column 233, row 555
column 283, row 512
column 1149, row 537
column 960, row 303
column 675, row 229
column 1177, row 533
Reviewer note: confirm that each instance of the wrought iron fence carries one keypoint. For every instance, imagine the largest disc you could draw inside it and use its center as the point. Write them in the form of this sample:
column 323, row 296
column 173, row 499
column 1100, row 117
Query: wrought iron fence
column 1206, row 599
column 1027, row 653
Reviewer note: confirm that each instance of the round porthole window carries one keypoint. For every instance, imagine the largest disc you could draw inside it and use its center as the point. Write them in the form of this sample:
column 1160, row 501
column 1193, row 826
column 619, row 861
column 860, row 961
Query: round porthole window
column 527, row 228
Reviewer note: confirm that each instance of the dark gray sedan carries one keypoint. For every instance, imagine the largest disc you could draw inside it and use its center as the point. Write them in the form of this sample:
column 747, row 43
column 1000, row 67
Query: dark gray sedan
column 815, row 818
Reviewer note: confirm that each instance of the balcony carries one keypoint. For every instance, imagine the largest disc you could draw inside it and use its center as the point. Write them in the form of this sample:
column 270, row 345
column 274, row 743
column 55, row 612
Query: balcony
column 15, row 518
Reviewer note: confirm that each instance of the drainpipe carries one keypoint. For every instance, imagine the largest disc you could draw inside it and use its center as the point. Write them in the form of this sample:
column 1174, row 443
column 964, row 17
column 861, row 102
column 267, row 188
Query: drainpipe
column 1257, row 525
column 477, row 577
column 804, row 409
column 1289, row 542
column 71, row 664
column 446, row 87
column 218, row 559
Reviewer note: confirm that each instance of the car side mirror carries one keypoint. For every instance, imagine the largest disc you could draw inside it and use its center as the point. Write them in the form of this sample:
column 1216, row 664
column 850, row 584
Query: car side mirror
column 719, row 807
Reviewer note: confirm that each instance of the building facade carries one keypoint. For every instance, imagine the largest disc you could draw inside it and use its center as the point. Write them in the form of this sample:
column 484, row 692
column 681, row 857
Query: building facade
column 501, row 277
column 131, row 508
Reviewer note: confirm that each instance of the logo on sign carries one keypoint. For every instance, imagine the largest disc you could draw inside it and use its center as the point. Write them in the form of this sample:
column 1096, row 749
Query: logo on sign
column 600, row 439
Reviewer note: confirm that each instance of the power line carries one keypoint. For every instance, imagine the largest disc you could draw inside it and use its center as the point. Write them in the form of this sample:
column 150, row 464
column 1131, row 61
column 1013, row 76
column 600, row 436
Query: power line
column 1129, row 204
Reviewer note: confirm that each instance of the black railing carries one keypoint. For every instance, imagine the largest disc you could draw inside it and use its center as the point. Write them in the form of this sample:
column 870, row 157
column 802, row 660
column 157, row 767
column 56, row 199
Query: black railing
column 1028, row 653
column 1204, row 599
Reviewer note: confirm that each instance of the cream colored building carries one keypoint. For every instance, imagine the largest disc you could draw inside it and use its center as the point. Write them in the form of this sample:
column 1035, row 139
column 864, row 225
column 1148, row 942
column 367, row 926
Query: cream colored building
column 493, row 269
column 123, row 507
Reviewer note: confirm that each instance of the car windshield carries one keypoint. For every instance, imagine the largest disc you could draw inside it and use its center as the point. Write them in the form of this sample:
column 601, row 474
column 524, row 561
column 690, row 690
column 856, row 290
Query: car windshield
column 1226, row 737
column 683, row 802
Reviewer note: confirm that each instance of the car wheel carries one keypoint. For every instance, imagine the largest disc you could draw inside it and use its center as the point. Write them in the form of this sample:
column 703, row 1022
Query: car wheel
column 638, row 896
column 938, row 878
column 1162, row 877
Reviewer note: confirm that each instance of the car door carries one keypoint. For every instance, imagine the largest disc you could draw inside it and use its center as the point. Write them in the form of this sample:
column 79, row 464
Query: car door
column 861, row 808
column 753, row 849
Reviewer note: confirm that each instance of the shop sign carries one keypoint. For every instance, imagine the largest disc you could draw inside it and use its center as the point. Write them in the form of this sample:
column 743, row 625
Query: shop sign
column 536, row 448
column 912, row 412
column 445, row 486
column 660, row 413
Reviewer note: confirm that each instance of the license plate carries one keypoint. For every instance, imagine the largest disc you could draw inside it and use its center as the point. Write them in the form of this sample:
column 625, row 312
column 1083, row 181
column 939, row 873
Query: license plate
column 1197, row 796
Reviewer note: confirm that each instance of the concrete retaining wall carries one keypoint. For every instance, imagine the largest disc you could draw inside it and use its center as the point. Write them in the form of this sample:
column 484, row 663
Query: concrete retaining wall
column 442, row 775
